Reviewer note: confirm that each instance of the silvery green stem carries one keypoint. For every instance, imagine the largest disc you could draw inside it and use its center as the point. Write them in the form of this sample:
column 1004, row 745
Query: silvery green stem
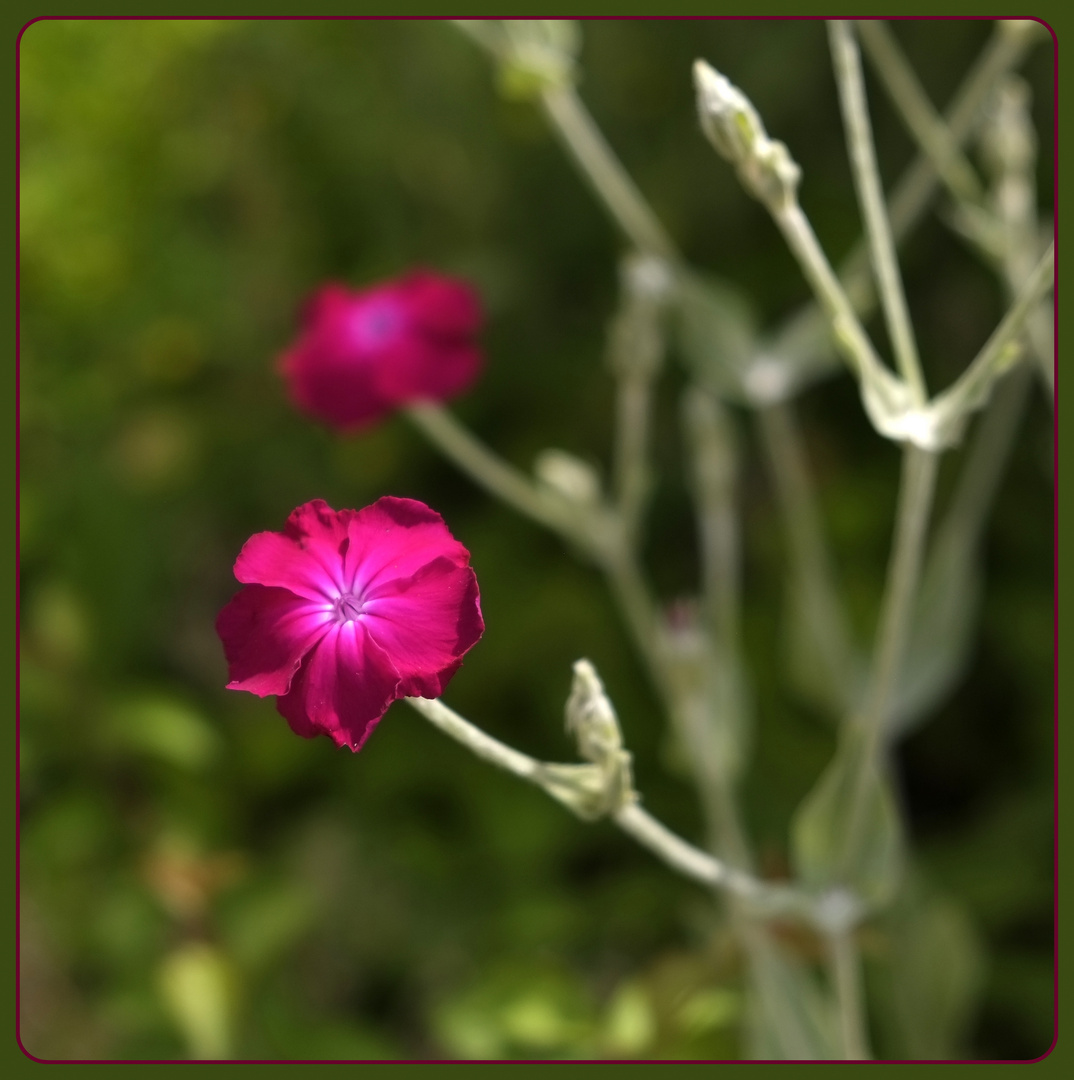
column 844, row 963
column 555, row 779
column 847, row 62
column 769, row 173
column 710, row 441
column 709, row 701
column 979, row 479
column 595, row 530
column 849, row 334
column 633, row 402
column 598, row 162
column 923, row 121
column 915, row 188
column 475, row 740
column 762, row 899
column 497, row 476
column 635, row 355
column 916, row 489
column 1005, row 51
column 676, row 852
column 1010, row 146
column 808, row 554
column 722, row 726
column 970, row 391
column 632, row 593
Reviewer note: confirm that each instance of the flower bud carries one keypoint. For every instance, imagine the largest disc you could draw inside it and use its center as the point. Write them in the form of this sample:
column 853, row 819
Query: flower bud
column 539, row 54
column 731, row 124
column 591, row 717
column 647, row 277
column 592, row 720
column 635, row 338
column 568, row 476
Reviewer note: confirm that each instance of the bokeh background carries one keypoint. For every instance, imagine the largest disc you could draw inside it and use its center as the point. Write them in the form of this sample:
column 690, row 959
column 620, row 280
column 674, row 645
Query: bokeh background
column 197, row 880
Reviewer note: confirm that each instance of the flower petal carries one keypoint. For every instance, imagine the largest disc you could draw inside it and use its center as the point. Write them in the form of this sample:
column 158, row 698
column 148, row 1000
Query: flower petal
column 340, row 389
column 426, row 623
column 342, row 689
column 441, row 307
column 308, row 557
column 428, row 369
column 266, row 632
column 394, row 538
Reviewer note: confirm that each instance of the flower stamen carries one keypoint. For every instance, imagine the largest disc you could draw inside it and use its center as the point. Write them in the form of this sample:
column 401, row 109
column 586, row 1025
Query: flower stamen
column 348, row 608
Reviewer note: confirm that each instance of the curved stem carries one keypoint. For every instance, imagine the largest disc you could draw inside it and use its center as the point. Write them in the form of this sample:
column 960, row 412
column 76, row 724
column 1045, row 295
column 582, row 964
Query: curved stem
column 636, row 822
column 610, row 180
column 495, row 475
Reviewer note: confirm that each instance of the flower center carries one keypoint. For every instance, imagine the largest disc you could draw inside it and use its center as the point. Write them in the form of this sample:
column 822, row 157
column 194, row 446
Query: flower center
column 374, row 323
column 348, row 608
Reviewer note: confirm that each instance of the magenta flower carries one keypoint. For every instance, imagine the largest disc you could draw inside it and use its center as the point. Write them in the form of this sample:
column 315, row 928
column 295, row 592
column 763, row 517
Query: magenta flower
column 362, row 354
column 345, row 612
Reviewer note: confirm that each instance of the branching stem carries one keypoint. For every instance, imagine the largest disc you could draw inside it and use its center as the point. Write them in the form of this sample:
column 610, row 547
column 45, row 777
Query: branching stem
column 922, row 120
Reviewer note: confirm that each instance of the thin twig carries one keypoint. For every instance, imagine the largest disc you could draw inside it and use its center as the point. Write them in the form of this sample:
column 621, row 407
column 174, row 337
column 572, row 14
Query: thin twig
column 635, row 356
column 844, row 963
column 495, row 475
column 602, row 168
column 834, row 301
column 847, row 63
column 636, row 822
column 713, row 465
column 915, row 188
column 869, row 726
column 996, row 354
column 921, row 118
column 916, row 489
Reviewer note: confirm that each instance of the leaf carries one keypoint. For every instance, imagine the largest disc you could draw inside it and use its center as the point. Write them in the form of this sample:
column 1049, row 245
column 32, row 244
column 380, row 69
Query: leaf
column 847, row 830
column 823, row 664
column 166, row 728
column 716, row 329
column 942, row 636
column 790, row 1016
column 718, row 336
column 197, row 986
column 935, row 976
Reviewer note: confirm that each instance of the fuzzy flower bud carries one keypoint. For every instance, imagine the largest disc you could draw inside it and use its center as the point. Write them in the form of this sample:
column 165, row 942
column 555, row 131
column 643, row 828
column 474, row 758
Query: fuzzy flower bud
column 592, row 720
column 647, row 277
column 568, row 476
column 731, row 124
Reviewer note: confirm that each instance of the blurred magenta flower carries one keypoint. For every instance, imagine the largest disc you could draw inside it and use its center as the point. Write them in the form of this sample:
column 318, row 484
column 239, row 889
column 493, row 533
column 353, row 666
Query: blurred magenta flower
column 345, row 612
column 363, row 353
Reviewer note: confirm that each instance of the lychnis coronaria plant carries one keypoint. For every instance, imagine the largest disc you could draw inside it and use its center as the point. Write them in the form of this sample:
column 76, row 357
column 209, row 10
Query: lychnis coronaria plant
column 344, row 612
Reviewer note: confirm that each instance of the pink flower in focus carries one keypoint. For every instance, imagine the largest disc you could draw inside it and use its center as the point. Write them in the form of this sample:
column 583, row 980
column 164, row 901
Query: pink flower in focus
column 362, row 354
column 345, row 612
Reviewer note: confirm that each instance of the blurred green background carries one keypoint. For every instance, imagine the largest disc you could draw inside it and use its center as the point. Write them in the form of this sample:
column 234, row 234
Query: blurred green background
column 197, row 880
